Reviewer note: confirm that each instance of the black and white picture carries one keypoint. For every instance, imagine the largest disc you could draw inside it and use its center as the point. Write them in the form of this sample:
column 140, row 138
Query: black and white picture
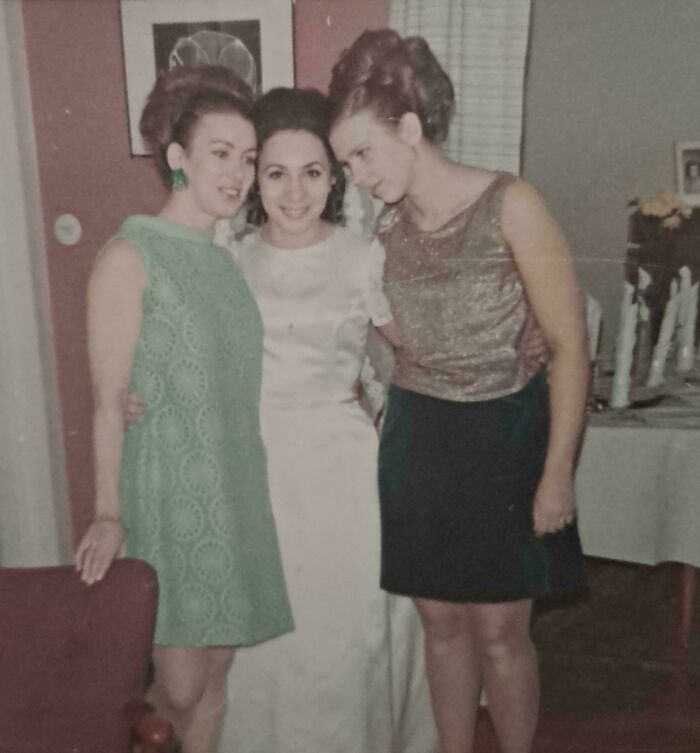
column 232, row 44
column 252, row 37
column 688, row 171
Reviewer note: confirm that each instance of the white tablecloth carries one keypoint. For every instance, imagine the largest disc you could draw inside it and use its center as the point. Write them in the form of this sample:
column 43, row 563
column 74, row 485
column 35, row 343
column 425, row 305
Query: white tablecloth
column 638, row 486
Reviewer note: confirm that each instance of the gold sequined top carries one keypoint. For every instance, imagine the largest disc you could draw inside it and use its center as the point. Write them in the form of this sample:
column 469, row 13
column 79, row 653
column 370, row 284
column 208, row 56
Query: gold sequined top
column 458, row 300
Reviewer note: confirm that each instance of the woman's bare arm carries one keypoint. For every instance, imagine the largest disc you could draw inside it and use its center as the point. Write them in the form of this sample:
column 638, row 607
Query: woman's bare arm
column 547, row 269
column 114, row 307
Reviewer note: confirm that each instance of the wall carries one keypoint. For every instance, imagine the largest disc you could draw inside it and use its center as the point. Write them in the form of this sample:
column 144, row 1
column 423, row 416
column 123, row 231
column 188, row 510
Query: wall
column 611, row 85
column 74, row 53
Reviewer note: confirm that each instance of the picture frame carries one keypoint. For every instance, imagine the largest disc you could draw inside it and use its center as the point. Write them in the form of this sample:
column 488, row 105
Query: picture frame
column 688, row 171
column 254, row 37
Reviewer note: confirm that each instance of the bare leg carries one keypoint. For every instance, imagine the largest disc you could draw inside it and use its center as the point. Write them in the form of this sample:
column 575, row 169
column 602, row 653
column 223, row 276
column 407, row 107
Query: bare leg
column 452, row 667
column 207, row 721
column 190, row 690
column 508, row 663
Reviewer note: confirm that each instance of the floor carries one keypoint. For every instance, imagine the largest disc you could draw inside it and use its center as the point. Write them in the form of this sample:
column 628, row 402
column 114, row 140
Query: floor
column 611, row 678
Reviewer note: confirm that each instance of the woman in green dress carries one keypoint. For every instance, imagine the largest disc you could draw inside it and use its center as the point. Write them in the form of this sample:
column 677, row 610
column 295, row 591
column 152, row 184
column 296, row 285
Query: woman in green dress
column 171, row 318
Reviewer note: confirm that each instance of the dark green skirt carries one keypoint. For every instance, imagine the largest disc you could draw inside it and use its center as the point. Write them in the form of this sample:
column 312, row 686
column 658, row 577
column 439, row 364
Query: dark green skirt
column 457, row 482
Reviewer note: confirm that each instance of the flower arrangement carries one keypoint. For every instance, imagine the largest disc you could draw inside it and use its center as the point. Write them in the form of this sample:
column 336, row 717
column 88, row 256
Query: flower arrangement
column 666, row 206
column 662, row 238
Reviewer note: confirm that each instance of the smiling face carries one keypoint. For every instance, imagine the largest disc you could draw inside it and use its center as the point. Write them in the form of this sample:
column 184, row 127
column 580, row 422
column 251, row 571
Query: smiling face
column 294, row 177
column 219, row 162
column 377, row 155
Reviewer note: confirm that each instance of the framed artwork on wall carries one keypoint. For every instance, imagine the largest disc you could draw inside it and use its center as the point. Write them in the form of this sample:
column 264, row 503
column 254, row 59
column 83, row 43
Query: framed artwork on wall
column 253, row 37
column 688, row 171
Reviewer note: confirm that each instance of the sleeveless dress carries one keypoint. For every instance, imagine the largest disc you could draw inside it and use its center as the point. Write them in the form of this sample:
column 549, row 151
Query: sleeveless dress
column 327, row 686
column 466, row 429
column 194, row 488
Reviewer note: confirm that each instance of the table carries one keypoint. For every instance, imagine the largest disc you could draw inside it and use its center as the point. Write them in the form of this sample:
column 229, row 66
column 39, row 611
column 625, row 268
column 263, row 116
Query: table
column 638, row 489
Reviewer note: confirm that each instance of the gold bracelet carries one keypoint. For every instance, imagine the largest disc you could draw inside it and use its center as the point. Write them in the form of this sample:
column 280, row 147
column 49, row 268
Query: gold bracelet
column 107, row 519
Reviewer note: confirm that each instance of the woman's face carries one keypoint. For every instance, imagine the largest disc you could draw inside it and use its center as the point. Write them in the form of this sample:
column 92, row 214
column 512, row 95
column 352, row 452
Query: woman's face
column 294, row 176
column 376, row 155
column 219, row 163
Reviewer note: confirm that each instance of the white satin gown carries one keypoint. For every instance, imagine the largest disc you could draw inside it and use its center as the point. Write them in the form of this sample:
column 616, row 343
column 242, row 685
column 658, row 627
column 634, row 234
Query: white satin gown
column 346, row 680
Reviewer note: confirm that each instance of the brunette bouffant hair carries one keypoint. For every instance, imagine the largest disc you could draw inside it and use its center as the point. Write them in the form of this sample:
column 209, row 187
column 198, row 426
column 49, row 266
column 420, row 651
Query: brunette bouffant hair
column 283, row 109
column 390, row 76
column 181, row 97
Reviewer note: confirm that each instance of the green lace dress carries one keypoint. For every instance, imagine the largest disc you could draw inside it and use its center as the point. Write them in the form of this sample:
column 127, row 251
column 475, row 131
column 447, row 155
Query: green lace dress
column 194, row 489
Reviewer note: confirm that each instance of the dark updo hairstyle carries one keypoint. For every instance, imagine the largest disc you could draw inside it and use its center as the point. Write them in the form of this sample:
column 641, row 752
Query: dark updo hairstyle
column 283, row 109
column 181, row 97
column 390, row 76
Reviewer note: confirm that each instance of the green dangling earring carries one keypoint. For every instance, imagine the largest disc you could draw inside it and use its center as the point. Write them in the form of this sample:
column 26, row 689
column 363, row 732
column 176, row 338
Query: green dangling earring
column 178, row 179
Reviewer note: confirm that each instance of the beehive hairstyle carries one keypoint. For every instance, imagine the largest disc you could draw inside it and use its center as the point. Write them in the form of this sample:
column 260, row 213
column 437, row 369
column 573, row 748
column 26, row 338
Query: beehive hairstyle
column 390, row 76
column 181, row 97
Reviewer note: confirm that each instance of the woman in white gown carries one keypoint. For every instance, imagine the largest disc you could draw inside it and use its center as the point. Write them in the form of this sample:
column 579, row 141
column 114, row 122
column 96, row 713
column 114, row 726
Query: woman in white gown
column 326, row 687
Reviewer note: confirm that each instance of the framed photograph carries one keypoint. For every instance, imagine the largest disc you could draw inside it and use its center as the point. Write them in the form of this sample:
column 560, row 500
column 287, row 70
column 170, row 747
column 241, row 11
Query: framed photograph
column 253, row 37
column 688, row 171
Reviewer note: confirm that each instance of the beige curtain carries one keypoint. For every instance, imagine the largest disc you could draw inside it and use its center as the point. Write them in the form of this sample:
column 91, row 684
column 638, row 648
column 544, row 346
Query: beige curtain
column 483, row 45
column 34, row 517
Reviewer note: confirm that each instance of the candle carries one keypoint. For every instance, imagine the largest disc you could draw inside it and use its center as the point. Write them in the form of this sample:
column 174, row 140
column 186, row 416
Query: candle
column 593, row 318
column 643, row 283
column 686, row 349
column 641, row 356
column 624, row 347
column 683, row 301
column 668, row 325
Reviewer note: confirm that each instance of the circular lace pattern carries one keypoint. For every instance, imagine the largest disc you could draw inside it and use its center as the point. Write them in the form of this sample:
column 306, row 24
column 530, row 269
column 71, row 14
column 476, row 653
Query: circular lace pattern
column 171, row 568
column 189, row 381
column 236, row 298
column 212, row 560
column 151, row 518
column 194, row 289
column 167, row 294
column 227, row 333
column 200, row 473
column 200, row 340
column 219, row 519
column 174, row 428
column 186, row 518
column 197, row 604
column 210, row 426
column 234, row 606
column 168, row 254
column 158, row 337
column 196, row 364
column 150, row 386
column 154, row 478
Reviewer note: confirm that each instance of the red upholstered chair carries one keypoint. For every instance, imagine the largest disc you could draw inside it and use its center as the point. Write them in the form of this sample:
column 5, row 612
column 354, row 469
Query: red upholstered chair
column 74, row 660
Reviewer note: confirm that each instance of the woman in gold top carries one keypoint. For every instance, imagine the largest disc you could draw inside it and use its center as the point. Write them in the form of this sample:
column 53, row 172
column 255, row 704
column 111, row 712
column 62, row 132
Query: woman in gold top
column 477, row 452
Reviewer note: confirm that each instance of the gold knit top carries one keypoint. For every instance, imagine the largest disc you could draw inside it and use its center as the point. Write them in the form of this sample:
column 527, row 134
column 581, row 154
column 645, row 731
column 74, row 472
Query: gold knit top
column 458, row 300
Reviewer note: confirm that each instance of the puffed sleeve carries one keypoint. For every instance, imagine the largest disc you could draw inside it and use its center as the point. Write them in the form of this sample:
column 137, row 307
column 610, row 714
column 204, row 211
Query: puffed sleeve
column 377, row 303
column 225, row 235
